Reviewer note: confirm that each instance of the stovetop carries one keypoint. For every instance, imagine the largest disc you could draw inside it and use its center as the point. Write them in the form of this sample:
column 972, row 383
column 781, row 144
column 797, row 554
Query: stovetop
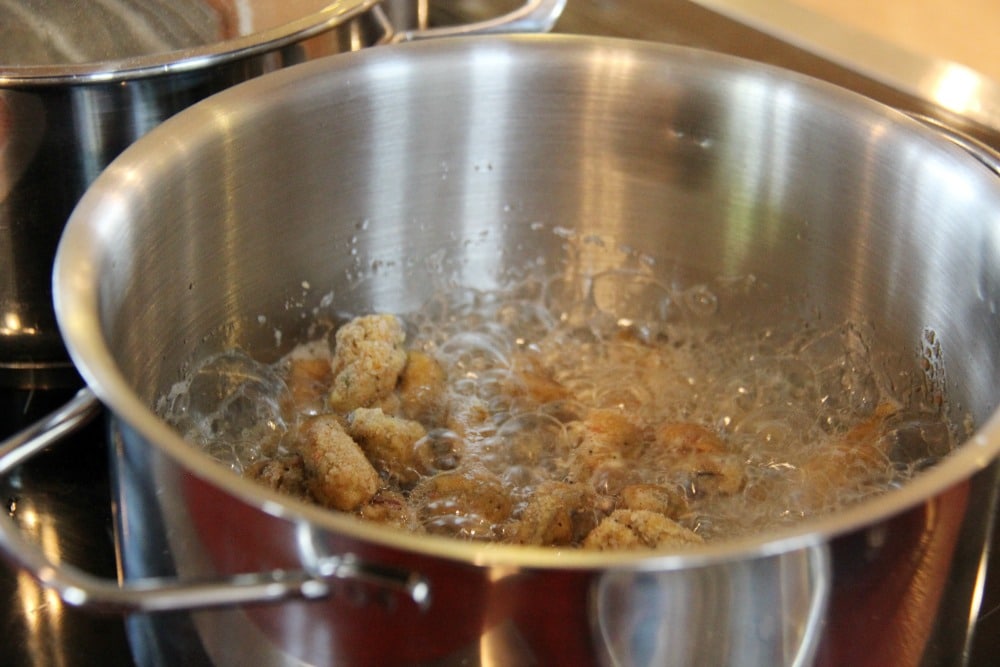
column 62, row 498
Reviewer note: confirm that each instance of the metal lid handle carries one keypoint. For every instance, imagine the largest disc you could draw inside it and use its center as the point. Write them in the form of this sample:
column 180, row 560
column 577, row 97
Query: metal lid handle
column 532, row 16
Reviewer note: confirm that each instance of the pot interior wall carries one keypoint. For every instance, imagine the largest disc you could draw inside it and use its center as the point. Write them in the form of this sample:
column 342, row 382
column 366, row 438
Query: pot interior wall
column 365, row 182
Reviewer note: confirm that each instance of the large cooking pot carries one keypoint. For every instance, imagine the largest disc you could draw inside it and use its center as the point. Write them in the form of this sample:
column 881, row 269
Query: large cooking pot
column 361, row 183
column 79, row 81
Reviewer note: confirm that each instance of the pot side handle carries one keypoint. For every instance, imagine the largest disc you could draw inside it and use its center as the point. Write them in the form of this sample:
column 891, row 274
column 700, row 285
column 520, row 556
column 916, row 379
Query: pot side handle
column 81, row 589
column 533, row 16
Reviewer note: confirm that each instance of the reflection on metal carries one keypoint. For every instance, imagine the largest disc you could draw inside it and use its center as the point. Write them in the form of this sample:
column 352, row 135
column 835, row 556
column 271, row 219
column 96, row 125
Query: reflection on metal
column 11, row 325
column 42, row 609
column 504, row 645
column 327, row 567
column 957, row 88
column 764, row 612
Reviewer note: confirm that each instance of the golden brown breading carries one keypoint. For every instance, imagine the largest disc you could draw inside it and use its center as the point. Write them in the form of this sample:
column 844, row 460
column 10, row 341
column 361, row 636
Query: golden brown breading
column 712, row 474
column 857, row 457
column 557, row 514
column 470, row 503
column 531, row 380
column 664, row 500
column 367, row 360
column 468, row 415
column 438, row 451
column 337, row 472
column 285, row 474
column 613, row 429
column 607, row 440
column 308, row 380
column 387, row 442
column 639, row 529
column 410, row 441
column 391, row 508
column 422, row 389
column 685, row 437
column 390, row 404
column 697, row 458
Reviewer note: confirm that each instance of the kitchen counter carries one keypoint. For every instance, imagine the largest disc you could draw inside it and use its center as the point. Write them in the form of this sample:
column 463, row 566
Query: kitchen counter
column 826, row 46
column 962, row 31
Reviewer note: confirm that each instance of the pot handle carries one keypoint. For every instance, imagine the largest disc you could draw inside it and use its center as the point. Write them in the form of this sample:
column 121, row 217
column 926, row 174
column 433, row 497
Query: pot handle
column 81, row 589
column 533, row 16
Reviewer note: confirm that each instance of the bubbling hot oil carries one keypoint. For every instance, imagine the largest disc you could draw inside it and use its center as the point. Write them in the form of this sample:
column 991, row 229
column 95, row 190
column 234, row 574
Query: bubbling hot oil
column 781, row 397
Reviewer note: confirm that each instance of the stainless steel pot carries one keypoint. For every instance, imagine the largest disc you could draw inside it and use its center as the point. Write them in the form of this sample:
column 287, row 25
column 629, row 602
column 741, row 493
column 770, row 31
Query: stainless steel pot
column 80, row 81
column 308, row 189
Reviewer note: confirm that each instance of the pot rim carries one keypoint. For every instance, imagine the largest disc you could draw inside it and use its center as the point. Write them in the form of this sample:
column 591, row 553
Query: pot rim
column 201, row 57
column 77, row 305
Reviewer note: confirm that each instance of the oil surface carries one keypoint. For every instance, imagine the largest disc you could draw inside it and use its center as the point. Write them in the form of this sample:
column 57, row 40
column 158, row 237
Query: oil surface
column 813, row 421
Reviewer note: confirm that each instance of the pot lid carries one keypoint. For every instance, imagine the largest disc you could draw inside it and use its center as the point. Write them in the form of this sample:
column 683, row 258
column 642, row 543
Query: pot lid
column 113, row 39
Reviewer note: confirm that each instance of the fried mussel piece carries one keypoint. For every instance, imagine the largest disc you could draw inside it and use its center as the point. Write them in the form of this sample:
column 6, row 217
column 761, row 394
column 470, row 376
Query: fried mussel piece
column 603, row 501
column 857, row 457
column 360, row 443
